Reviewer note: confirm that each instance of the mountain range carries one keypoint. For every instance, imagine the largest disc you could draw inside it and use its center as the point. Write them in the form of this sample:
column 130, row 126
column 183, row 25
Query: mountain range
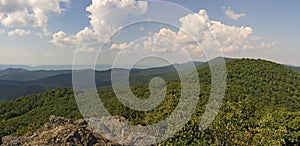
column 53, row 67
column 16, row 82
column 260, row 107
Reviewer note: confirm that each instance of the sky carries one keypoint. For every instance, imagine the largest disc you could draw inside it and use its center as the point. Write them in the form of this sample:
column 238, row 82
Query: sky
column 60, row 32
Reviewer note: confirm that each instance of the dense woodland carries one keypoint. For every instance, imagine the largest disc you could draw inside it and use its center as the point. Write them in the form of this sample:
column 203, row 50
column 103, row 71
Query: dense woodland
column 261, row 107
column 16, row 82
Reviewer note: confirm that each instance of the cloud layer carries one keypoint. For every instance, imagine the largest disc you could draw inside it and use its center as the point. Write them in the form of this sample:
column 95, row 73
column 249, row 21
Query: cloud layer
column 195, row 33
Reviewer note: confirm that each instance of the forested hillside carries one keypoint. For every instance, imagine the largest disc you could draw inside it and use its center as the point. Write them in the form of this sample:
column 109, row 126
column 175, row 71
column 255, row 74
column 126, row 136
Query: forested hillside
column 19, row 82
column 261, row 107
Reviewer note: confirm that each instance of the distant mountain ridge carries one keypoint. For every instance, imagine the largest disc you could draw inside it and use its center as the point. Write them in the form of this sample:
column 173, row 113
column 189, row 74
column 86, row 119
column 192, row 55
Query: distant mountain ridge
column 16, row 82
column 23, row 82
column 99, row 67
column 53, row 67
column 18, row 74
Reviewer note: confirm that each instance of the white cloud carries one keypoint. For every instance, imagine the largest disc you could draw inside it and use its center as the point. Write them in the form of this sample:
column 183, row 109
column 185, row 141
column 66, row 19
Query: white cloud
column 211, row 35
column 102, row 25
column 62, row 39
column 29, row 13
column 267, row 45
column 232, row 15
column 19, row 32
column 84, row 36
column 119, row 46
column 87, row 39
column 163, row 41
column 231, row 38
column 193, row 27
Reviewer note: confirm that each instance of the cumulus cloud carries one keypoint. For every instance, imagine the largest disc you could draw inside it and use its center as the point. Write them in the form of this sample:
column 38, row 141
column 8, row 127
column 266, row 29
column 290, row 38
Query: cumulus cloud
column 231, row 38
column 62, row 39
column 102, row 25
column 19, row 32
column 194, row 28
column 84, row 36
column 198, row 29
column 106, row 24
column 29, row 13
column 119, row 46
column 232, row 15
column 163, row 41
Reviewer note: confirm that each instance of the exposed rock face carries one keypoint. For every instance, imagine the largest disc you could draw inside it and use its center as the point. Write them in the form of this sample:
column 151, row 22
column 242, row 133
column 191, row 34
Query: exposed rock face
column 60, row 131
column 117, row 129
column 65, row 132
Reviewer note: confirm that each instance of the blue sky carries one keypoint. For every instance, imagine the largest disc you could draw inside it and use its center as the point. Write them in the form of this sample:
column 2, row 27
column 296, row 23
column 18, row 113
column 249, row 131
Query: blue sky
column 31, row 39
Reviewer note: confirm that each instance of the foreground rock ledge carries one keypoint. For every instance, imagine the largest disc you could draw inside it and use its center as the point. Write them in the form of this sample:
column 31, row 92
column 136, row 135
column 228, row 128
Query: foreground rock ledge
column 60, row 131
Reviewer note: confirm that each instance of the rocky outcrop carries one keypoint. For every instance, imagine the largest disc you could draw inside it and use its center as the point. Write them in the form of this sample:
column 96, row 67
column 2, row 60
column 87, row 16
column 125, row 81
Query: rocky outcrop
column 117, row 129
column 60, row 131
column 65, row 132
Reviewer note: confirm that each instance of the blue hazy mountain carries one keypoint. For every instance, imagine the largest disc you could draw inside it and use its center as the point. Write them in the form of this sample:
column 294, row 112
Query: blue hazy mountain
column 54, row 67
column 16, row 82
